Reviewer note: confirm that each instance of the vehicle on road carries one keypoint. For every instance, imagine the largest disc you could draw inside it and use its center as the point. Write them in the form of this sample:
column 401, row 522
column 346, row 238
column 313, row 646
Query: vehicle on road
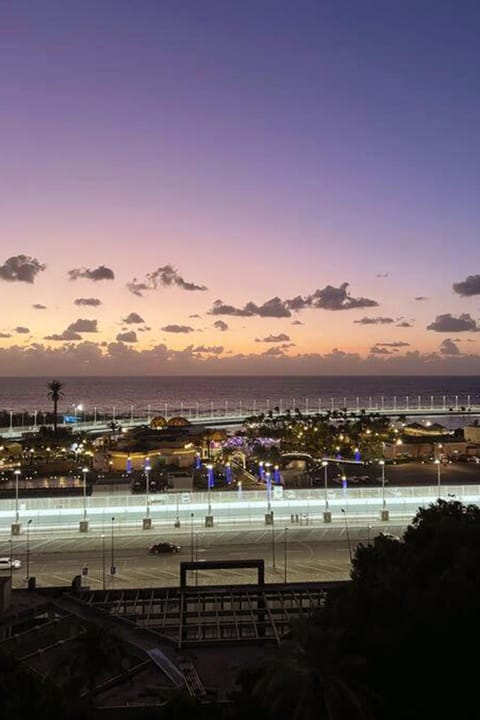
column 163, row 547
column 7, row 563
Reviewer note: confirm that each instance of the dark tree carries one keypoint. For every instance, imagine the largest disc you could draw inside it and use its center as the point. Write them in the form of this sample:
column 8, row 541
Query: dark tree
column 55, row 394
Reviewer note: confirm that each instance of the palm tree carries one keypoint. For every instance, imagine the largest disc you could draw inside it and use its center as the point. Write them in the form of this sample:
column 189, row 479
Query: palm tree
column 55, row 394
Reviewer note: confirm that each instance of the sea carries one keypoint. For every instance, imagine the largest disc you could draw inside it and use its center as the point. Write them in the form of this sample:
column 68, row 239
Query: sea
column 139, row 396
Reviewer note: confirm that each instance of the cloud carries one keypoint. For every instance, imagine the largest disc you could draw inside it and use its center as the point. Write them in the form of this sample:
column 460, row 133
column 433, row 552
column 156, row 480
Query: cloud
column 450, row 323
column 297, row 322
column 210, row 349
column 5, row 335
column 329, row 298
column 195, row 315
column 133, row 318
column 338, row 298
column 380, row 350
column 129, row 337
column 67, row 335
column 448, row 347
column 20, row 268
column 83, row 326
column 468, row 287
column 220, row 325
column 177, row 329
column 421, row 298
column 38, row 306
column 22, row 330
column 100, row 273
column 274, row 338
column 375, row 321
column 93, row 302
column 382, row 275
column 165, row 276
column 397, row 344
column 403, row 324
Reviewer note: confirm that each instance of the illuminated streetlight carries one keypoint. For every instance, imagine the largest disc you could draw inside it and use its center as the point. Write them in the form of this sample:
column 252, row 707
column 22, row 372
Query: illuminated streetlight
column 438, row 464
column 384, row 514
column 17, row 474
column 85, row 471
column 327, row 515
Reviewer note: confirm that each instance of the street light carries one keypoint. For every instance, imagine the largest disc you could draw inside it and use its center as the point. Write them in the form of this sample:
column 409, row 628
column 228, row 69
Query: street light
column 28, row 549
column 347, row 533
column 103, row 561
column 382, row 466
column 269, row 491
column 209, row 486
column 17, row 474
column 148, row 467
column 191, row 536
column 438, row 464
column 285, row 530
column 85, row 471
column 113, row 569
column 273, row 545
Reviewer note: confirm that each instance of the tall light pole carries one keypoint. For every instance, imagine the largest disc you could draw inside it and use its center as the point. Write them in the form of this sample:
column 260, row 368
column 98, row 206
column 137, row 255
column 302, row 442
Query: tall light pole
column 268, row 486
column 147, row 521
column 103, row 561
column 85, row 471
column 210, row 484
column 113, row 569
column 273, row 545
column 347, row 533
column 16, row 529
column 285, row 531
column 191, row 536
column 28, row 549
column 438, row 464
column 327, row 515
column 384, row 514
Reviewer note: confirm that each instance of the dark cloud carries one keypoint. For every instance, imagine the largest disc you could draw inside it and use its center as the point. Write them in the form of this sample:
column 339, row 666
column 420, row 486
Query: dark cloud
column 165, row 276
column 297, row 322
column 375, row 321
column 397, row 344
column 93, row 302
column 450, row 323
column 133, row 318
column 338, row 298
column 274, row 338
column 403, row 324
column 100, row 273
column 177, row 329
column 210, row 349
column 449, row 347
column 220, row 325
column 329, row 298
column 66, row 335
column 20, row 268
column 468, row 287
column 83, row 326
column 128, row 337
column 421, row 298
column 195, row 315
column 38, row 306
column 22, row 330
column 382, row 275
column 5, row 335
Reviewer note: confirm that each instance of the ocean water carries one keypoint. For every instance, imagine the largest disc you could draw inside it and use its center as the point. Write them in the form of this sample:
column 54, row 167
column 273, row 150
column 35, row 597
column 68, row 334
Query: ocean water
column 188, row 395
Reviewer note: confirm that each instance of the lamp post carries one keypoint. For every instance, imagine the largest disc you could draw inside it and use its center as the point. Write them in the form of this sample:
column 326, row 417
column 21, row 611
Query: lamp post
column 16, row 527
column 28, row 549
column 285, row 531
column 113, row 569
column 210, row 484
column 327, row 515
column 273, row 545
column 147, row 520
column 347, row 533
column 438, row 464
column 191, row 536
column 84, row 521
column 384, row 513
column 268, row 486
column 103, row 561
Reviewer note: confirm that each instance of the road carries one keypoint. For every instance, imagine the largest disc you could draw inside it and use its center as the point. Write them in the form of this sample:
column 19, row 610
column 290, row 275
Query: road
column 312, row 553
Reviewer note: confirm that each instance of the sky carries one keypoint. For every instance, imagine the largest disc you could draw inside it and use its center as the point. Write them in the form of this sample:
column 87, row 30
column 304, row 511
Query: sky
column 249, row 187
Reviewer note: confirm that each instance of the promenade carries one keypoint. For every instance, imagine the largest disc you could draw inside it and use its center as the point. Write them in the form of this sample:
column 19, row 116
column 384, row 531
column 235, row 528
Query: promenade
column 231, row 414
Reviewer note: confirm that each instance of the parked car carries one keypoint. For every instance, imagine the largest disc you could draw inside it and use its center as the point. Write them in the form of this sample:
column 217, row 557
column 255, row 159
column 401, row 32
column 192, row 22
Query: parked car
column 163, row 547
column 7, row 563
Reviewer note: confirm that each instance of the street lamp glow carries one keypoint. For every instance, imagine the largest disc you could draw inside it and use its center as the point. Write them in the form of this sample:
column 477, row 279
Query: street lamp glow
column 17, row 474
column 325, row 479
column 438, row 464
column 85, row 471
column 382, row 465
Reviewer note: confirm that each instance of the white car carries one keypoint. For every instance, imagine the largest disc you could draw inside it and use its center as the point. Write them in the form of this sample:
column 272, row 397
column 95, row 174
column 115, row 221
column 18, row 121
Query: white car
column 7, row 563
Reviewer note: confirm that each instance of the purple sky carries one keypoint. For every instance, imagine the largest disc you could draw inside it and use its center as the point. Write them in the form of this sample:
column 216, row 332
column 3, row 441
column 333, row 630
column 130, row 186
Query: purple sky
column 239, row 187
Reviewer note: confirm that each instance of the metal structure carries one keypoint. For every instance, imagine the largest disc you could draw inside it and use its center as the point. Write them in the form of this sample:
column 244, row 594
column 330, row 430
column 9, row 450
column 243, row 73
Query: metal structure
column 200, row 616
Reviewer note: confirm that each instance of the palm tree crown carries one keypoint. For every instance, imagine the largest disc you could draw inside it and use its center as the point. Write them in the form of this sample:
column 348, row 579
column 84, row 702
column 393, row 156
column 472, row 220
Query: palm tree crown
column 55, row 394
